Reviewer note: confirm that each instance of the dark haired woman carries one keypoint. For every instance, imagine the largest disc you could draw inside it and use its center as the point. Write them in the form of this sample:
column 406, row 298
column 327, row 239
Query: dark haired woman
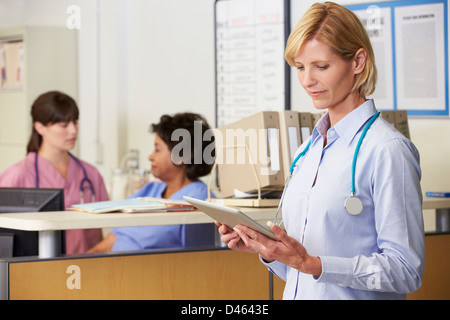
column 178, row 176
column 49, row 164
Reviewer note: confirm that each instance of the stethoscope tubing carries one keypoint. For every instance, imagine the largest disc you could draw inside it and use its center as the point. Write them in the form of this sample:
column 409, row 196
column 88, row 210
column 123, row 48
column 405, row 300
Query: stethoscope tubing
column 358, row 146
column 85, row 176
column 305, row 150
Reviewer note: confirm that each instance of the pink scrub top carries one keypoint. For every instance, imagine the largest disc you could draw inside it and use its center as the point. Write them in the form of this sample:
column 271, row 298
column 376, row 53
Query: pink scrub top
column 22, row 175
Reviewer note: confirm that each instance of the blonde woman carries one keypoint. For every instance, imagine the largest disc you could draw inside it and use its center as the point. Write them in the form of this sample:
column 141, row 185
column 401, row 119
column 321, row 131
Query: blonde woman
column 333, row 248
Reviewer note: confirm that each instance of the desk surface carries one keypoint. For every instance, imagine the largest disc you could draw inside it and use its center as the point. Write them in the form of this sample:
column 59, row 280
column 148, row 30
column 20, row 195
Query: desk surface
column 436, row 203
column 66, row 220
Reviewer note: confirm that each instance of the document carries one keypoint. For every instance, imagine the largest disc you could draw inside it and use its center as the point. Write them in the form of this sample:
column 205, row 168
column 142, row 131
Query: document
column 250, row 65
column 409, row 39
column 420, row 57
column 13, row 56
column 134, row 206
column 377, row 22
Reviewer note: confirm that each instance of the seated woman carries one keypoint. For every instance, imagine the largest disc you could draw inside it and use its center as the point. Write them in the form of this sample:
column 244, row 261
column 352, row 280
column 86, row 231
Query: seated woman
column 178, row 178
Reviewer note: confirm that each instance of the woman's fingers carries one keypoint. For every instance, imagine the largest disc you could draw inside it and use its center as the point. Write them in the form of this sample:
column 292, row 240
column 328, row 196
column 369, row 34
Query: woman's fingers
column 252, row 239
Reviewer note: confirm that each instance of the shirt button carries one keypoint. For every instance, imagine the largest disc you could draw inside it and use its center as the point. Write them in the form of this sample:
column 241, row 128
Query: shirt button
column 332, row 133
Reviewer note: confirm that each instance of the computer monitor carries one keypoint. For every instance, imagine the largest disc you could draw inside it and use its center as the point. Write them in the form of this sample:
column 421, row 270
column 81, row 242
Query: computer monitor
column 14, row 200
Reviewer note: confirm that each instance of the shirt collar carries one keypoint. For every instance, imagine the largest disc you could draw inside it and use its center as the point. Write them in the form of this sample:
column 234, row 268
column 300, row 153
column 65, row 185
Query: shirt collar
column 321, row 127
column 349, row 126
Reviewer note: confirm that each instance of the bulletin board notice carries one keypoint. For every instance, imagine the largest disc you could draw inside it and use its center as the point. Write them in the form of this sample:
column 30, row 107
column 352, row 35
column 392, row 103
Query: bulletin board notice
column 251, row 72
column 410, row 41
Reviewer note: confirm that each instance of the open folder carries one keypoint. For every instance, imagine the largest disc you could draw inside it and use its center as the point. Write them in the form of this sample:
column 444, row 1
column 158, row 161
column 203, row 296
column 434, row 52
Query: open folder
column 144, row 205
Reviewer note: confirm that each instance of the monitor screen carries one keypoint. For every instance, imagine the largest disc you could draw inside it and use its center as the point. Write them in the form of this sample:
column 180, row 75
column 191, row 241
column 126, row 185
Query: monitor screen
column 14, row 200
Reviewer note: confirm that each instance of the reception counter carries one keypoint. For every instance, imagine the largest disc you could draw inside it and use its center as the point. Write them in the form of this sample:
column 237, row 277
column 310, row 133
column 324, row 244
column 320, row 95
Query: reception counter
column 199, row 273
column 202, row 273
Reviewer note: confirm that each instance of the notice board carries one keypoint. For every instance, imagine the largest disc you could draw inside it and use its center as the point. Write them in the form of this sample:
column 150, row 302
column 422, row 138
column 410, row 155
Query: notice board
column 251, row 72
column 409, row 38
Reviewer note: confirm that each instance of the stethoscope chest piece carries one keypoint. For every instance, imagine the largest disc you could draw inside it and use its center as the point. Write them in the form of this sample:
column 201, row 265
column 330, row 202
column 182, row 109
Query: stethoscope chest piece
column 353, row 205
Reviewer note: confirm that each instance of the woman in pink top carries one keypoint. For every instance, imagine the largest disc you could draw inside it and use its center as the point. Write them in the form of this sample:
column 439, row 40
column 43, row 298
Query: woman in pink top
column 49, row 164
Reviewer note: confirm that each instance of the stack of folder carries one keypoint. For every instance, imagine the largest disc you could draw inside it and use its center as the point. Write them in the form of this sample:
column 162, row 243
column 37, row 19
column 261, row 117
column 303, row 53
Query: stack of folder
column 254, row 154
column 398, row 119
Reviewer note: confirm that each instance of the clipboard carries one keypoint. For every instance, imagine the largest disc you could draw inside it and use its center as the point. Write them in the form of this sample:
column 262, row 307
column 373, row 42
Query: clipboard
column 229, row 216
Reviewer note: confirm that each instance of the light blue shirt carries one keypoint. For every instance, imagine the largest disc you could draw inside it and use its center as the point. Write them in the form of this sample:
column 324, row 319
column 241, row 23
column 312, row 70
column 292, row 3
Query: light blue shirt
column 166, row 236
column 378, row 254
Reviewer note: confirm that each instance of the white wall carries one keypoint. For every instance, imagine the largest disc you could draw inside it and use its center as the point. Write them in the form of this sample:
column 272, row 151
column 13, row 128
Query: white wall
column 146, row 58
column 156, row 57
column 138, row 60
column 170, row 64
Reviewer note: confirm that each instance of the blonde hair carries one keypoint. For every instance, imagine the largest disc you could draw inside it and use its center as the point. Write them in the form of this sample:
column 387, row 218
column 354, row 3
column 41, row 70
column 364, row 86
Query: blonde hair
column 340, row 28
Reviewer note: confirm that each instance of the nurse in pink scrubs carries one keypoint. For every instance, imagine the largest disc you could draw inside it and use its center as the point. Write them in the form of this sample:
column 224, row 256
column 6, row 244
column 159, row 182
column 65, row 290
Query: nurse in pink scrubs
column 49, row 164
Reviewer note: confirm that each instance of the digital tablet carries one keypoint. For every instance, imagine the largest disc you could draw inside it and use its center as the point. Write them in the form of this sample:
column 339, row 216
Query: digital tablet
column 229, row 216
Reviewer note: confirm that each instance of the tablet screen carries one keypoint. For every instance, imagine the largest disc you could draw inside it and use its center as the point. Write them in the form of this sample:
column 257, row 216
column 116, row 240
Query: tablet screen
column 229, row 216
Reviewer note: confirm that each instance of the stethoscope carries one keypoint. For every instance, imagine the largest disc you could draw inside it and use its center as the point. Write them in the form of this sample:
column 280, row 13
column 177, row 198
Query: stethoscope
column 85, row 178
column 353, row 204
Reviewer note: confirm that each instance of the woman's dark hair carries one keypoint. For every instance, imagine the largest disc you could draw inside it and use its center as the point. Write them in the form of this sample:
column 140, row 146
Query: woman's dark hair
column 50, row 107
column 189, row 123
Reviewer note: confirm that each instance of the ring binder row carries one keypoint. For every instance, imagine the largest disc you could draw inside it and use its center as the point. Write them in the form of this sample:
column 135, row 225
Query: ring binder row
column 399, row 120
column 11, row 64
column 253, row 155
